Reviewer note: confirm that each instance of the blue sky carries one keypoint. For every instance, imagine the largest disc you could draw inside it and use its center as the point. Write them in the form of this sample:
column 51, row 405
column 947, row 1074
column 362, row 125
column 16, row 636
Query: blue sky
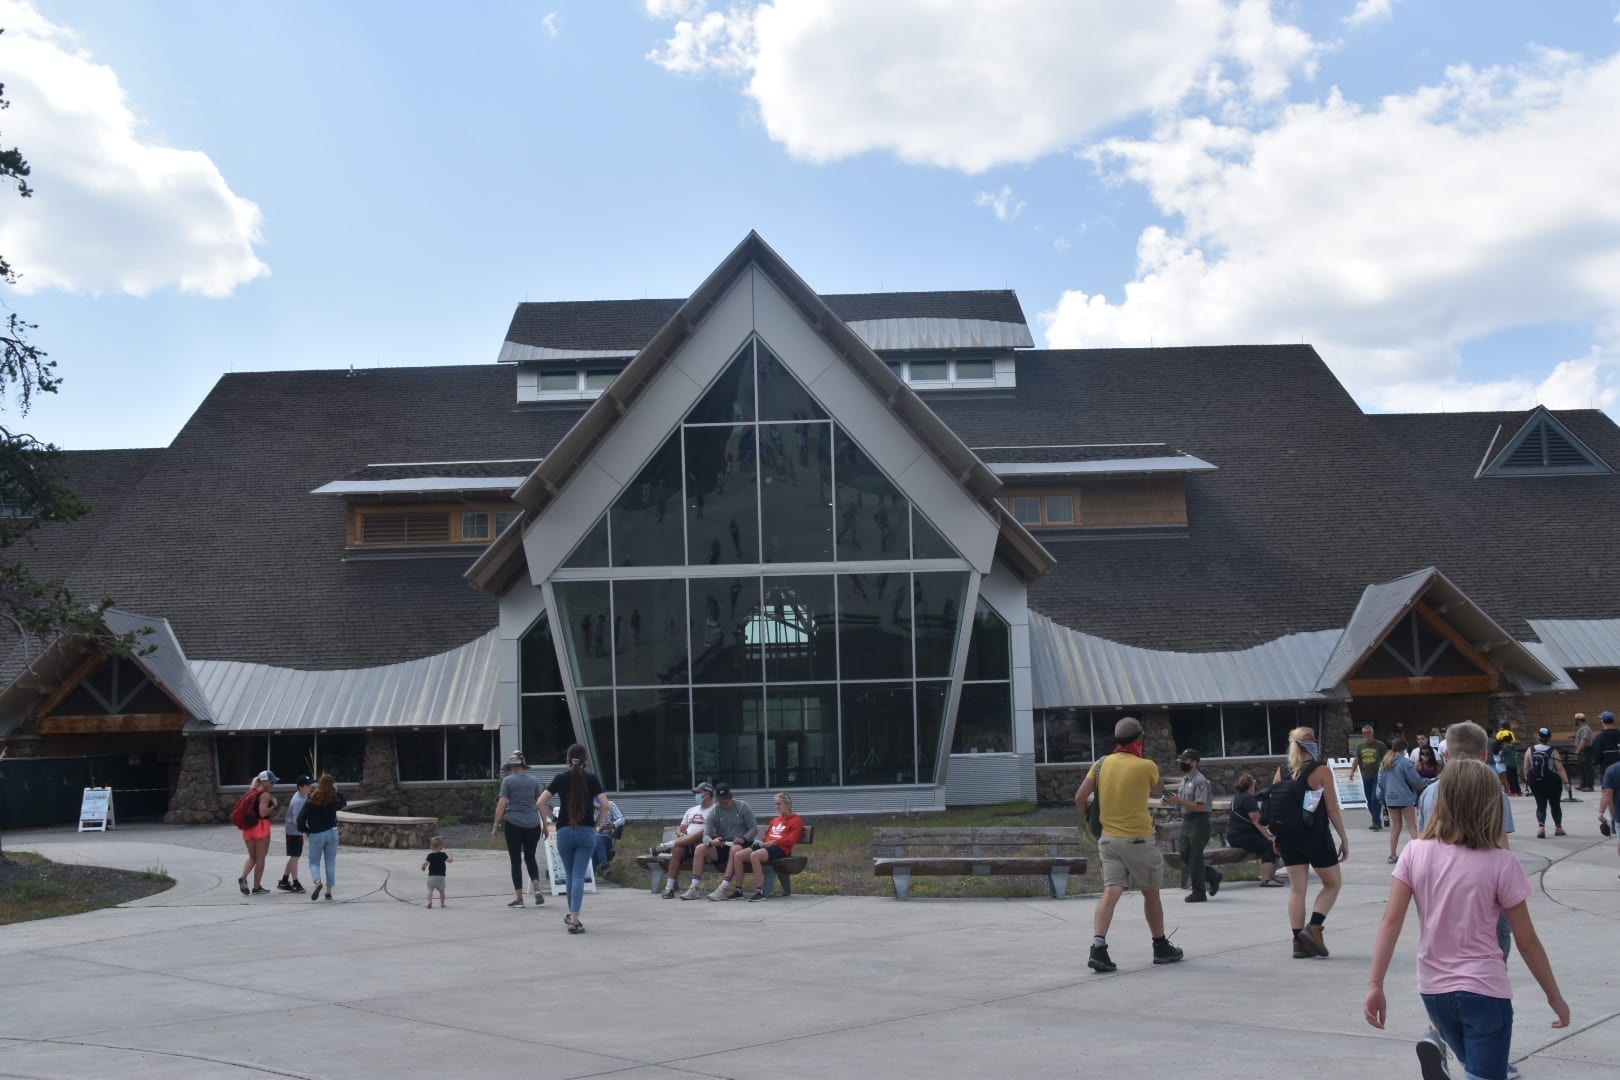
column 1428, row 192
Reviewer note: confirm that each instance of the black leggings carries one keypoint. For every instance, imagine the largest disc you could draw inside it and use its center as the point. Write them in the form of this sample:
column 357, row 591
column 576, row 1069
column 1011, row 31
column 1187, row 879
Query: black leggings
column 1549, row 793
column 521, row 841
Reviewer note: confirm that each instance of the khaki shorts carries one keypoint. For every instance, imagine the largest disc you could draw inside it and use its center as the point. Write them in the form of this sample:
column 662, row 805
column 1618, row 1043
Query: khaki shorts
column 436, row 883
column 1131, row 861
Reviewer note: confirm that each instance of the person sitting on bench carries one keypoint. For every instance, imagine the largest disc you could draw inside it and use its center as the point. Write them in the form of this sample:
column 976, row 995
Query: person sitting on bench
column 688, row 836
column 1243, row 830
column 783, row 832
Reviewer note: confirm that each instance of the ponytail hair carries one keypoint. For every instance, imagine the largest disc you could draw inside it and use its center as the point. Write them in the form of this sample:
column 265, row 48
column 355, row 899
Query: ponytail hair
column 579, row 788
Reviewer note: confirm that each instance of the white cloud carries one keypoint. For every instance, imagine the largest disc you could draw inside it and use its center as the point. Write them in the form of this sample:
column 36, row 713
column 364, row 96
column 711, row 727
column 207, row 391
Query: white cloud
column 549, row 23
column 110, row 212
column 1390, row 237
column 1369, row 11
column 968, row 85
column 1003, row 203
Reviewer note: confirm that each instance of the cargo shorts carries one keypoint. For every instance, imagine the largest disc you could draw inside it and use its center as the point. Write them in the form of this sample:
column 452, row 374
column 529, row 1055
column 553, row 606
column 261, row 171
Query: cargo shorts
column 1131, row 862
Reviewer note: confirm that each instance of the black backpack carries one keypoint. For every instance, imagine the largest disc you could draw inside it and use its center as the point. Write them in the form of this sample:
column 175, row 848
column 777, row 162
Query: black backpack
column 1285, row 814
column 1541, row 766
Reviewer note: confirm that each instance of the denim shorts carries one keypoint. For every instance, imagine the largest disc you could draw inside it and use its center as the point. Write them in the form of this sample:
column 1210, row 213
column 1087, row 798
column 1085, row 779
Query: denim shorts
column 1478, row 1029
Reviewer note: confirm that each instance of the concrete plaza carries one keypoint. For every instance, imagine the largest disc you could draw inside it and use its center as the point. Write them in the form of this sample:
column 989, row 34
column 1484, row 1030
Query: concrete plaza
column 200, row 981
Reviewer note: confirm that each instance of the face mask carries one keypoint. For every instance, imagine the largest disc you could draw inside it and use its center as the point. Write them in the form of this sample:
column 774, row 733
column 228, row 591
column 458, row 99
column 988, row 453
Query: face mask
column 1186, row 766
column 697, row 797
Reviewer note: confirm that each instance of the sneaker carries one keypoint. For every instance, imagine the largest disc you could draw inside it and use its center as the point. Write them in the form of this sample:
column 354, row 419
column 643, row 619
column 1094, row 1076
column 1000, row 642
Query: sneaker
column 1513, row 1071
column 758, row 894
column 260, row 890
column 693, row 893
column 1166, row 953
column 1559, row 831
column 1099, row 960
column 284, row 885
column 722, row 891
column 1431, row 1054
column 1605, row 828
column 1195, row 898
column 1314, row 932
column 668, row 893
column 297, row 886
column 1375, row 827
column 663, row 849
column 241, row 883
column 1273, row 883
column 316, row 895
column 1541, row 834
column 329, row 895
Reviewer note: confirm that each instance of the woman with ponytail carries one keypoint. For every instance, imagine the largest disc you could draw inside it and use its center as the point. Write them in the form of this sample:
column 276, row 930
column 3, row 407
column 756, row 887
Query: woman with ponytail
column 572, row 804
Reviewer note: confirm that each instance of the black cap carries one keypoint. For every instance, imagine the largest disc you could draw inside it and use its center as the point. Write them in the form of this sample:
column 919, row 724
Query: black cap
column 722, row 791
column 1190, row 754
column 304, row 781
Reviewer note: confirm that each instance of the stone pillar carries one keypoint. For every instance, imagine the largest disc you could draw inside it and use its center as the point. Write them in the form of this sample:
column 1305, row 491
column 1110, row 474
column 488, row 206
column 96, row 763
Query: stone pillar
column 1158, row 741
column 379, row 776
column 196, row 796
column 1509, row 709
column 1334, row 730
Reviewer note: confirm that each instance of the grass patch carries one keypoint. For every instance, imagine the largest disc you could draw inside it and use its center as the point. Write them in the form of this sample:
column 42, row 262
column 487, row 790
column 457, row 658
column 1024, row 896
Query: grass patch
column 33, row 887
column 449, row 819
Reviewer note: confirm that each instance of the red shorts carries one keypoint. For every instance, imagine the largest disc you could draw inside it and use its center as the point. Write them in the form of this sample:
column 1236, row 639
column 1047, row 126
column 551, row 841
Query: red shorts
column 261, row 831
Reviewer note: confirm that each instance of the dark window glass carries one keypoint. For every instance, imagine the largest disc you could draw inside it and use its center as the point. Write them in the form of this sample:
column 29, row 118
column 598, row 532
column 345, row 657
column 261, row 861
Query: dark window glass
column 649, row 632
column 801, row 745
column 879, row 734
column 781, row 396
column 602, row 741
column 874, row 520
column 1063, row 735
column 593, row 550
column 1285, row 718
column 984, row 719
column 926, row 543
column 655, row 740
column 585, row 611
column 646, row 517
column 990, row 647
column 728, row 735
column 724, row 611
column 1197, row 729
column 796, row 630
column 547, row 731
column 1244, row 728
column 241, row 757
column 975, row 369
column 874, row 626
column 292, row 755
column 929, row 371
column 419, row 755
column 343, row 754
column 538, row 672
column 795, row 492
column 722, row 496
column 732, row 395
column 936, row 606
column 470, row 754
column 930, row 727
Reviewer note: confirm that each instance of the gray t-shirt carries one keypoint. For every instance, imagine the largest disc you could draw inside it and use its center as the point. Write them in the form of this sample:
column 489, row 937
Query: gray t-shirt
column 736, row 823
column 1431, row 795
column 521, row 790
column 1583, row 736
column 294, row 805
column 1195, row 788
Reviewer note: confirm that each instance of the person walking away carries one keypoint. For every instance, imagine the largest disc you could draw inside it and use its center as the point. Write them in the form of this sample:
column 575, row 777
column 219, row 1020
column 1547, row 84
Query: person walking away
column 1585, row 760
column 318, row 821
column 256, row 837
column 1369, row 756
column 295, row 840
column 1245, row 830
column 1609, row 804
column 1122, row 782
column 436, row 863
column 1545, row 771
column 1400, row 782
column 1461, row 879
column 1194, row 798
column 1606, row 747
column 519, row 808
column 1304, row 803
column 1510, row 760
column 572, row 804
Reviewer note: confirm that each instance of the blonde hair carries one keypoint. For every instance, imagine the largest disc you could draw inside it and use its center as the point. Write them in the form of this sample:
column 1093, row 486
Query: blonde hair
column 785, row 797
column 437, row 843
column 1297, row 757
column 1468, row 808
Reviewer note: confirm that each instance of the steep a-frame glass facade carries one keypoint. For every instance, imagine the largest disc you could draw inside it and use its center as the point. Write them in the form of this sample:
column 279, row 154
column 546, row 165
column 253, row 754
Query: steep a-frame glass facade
column 761, row 604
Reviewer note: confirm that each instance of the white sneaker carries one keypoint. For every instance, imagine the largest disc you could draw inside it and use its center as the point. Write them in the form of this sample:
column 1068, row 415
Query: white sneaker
column 665, row 848
column 720, row 890
column 1513, row 1071
column 693, row 893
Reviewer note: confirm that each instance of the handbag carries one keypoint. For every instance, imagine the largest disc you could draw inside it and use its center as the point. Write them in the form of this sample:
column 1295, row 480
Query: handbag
column 1094, row 807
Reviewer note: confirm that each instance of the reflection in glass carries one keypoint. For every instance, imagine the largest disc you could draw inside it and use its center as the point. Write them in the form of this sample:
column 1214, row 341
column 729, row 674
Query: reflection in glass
column 728, row 735
column 1065, row 735
column 874, row 519
column 936, row 604
column 584, row 610
column 990, row 647
column 722, row 497
column 796, row 630
column 795, row 491
column 984, row 719
column 723, row 611
column 1243, row 728
column 538, row 672
column 469, row 753
column 601, row 740
column 1197, row 729
column 926, row 543
column 801, row 745
column 649, row 632
column 781, row 396
column 646, row 517
column 546, row 731
column 239, row 758
column 418, row 755
column 931, row 697
column 732, row 395
column 655, row 740
column 879, row 734
column 874, row 626
column 343, row 754
column 593, row 550
column 292, row 755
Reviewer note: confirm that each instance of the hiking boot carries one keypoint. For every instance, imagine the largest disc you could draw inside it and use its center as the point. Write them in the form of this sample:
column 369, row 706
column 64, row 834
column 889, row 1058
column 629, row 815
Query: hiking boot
column 1301, row 950
column 1195, row 898
column 1099, row 960
column 1431, row 1054
column 1314, row 932
column 693, row 893
column 1166, row 953
column 1305, row 946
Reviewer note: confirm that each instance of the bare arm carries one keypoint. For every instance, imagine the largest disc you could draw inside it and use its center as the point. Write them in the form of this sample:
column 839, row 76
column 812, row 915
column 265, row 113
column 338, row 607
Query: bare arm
column 1535, row 958
column 1087, row 786
column 1375, row 1009
column 500, row 812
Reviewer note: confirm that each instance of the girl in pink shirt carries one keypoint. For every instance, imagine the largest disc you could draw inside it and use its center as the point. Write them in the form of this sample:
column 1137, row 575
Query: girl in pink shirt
column 1461, row 879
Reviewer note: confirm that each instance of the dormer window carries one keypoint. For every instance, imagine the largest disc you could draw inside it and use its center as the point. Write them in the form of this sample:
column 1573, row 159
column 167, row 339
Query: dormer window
column 536, row 383
column 950, row 372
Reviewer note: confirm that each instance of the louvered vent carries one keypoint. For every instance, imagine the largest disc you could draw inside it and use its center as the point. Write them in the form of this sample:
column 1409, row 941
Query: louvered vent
column 1549, row 449
column 405, row 529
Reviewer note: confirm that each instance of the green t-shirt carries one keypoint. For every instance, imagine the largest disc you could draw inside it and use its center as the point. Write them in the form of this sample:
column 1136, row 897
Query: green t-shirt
column 1370, row 755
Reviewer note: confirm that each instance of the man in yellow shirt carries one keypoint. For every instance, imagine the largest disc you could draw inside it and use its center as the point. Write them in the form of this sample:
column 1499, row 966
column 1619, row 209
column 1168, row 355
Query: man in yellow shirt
column 1122, row 782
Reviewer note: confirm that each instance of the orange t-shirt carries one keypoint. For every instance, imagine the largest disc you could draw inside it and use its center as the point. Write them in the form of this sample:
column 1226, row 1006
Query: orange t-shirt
column 784, row 832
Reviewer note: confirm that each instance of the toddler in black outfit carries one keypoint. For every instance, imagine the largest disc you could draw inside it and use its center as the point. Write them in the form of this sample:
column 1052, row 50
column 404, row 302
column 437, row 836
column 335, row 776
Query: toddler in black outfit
column 435, row 864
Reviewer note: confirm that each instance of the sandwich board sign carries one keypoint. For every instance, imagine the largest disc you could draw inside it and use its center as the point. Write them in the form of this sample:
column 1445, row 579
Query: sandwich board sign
column 1347, row 779
column 559, row 872
column 96, row 810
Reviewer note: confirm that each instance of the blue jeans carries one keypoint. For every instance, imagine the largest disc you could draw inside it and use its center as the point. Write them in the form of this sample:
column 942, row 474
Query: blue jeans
column 1478, row 1029
column 604, row 849
column 576, row 844
column 1371, row 788
column 323, row 845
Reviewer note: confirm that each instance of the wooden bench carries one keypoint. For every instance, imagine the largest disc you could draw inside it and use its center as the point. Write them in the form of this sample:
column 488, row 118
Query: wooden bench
column 1168, row 833
column 976, row 852
column 777, row 871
